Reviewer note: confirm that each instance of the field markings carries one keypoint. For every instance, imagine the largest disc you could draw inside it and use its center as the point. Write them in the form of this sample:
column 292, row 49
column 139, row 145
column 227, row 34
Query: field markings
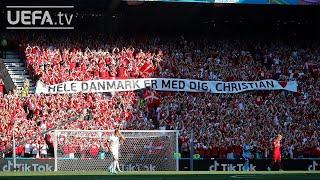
column 237, row 174
column 245, row 177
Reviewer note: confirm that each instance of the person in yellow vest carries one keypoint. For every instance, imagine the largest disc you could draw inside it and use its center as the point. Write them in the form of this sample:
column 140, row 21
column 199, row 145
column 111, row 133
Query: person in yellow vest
column 25, row 89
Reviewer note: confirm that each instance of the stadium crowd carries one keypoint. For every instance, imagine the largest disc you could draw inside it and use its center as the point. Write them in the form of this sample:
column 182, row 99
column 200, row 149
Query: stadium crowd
column 221, row 123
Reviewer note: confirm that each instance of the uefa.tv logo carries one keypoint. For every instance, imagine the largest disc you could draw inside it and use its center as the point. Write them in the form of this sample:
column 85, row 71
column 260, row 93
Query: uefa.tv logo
column 39, row 17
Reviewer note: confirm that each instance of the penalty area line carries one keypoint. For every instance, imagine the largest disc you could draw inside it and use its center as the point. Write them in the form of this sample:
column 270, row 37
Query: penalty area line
column 245, row 176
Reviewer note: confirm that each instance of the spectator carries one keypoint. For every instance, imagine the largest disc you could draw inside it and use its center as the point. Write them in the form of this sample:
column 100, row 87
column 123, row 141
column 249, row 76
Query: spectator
column 1, row 87
column 44, row 150
column 35, row 149
column 219, row 126
column 28, row 149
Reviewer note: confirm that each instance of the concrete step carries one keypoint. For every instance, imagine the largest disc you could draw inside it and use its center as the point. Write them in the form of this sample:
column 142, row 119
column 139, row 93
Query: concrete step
column 19, row 76
column 20, row 85
column 15, row 64
column 21, row 80
column 12, row 52
column 16, row 69
column 18, row 73
column 9, row 55
column 12, row 60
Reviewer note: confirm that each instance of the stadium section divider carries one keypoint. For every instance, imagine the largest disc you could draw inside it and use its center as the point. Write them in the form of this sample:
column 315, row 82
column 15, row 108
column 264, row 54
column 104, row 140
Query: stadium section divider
column 5, row 76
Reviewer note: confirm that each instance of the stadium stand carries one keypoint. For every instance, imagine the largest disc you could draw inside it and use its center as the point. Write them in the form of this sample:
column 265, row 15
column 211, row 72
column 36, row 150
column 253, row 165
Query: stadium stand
column 221, row 123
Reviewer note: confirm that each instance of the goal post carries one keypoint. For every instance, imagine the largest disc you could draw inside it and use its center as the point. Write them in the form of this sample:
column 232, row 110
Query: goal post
column 143, row 150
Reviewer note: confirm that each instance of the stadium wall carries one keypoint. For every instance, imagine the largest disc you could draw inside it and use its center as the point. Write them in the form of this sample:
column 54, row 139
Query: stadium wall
column 4, row 74
column 199, row 165
column 255, row 165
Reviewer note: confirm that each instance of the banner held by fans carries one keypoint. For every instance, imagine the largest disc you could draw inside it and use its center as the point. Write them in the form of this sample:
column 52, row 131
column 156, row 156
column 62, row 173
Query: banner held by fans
column 164, row 84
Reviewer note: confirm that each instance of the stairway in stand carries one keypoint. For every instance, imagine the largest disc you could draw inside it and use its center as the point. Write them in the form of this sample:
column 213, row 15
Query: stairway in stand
column 18, row 71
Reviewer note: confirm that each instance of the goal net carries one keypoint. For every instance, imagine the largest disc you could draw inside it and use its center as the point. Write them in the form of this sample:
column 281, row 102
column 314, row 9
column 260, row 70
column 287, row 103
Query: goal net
column 83, row 150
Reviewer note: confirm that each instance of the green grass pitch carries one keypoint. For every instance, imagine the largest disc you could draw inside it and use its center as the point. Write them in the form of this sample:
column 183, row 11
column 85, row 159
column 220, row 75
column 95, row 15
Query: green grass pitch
column 162, row 175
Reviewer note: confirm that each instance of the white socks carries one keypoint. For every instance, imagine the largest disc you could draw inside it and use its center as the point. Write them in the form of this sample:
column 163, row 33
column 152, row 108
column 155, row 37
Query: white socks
column 114, row 166
column 117, row 166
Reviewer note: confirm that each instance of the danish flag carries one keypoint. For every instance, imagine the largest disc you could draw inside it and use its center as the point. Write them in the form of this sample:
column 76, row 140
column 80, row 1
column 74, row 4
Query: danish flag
column 146, row 69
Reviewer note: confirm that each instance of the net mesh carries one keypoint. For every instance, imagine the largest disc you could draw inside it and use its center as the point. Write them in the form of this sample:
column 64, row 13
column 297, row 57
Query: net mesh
column 141, row 151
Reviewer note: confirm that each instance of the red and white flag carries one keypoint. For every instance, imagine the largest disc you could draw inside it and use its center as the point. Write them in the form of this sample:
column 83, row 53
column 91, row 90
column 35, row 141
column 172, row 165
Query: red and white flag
column 146, row 69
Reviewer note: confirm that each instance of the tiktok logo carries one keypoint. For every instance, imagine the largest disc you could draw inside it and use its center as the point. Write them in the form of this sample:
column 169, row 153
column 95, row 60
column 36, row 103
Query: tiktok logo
column 313, row 166
column 230, row 167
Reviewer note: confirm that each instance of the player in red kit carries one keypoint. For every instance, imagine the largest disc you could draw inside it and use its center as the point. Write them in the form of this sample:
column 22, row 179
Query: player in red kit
column 276, row 159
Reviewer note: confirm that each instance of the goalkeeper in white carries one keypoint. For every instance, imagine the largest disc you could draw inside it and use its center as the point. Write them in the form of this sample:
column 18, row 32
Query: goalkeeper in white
column 113, row 145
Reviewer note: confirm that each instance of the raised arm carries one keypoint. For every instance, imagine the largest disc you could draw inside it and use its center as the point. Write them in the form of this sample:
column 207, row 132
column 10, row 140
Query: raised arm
column 107, row 147
column 121, row 137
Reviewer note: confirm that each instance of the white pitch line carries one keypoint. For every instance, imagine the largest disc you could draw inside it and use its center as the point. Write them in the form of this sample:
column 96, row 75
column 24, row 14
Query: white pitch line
column 245, row 177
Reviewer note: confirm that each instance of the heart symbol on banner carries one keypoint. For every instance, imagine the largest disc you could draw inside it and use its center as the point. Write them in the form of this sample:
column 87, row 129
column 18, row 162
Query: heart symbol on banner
column 283, row 84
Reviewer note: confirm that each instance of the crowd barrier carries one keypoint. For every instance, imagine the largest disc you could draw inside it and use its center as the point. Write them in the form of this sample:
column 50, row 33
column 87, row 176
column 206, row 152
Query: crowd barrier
column 31, row 164
column 255, row 165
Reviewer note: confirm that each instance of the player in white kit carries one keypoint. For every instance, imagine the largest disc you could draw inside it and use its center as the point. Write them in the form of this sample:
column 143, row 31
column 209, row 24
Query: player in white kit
column 113, row 145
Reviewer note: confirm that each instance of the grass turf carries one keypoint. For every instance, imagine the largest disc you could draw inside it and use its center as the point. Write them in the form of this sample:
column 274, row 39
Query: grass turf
column 164, row 175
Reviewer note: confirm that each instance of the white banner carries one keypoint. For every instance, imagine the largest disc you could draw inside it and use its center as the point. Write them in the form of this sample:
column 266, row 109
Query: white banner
column 164, row 84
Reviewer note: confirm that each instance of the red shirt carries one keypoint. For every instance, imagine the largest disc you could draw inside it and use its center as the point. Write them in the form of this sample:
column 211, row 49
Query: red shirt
column 214, row 151
column 96, row 73
column 3, row 145
column 276, row 146
column 201, row 152
column 223, row 152
column 94, row 150
column 72, row 65
column 66, row 150
column 207, row 153
column 237, row 150
column 103, row 74
column 1, row 88
column 121, row 72
column 83, row 68
column 316, row 152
